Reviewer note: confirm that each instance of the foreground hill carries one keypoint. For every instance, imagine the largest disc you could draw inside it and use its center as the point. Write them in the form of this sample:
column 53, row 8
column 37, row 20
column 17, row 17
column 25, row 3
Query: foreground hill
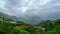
column 16, row 27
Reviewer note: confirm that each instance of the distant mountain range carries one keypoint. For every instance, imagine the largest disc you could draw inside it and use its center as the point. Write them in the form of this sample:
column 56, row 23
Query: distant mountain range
column 5, row 16
column 29, row 19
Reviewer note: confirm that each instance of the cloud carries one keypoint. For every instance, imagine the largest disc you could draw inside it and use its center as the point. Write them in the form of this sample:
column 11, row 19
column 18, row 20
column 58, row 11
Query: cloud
column 30, row 7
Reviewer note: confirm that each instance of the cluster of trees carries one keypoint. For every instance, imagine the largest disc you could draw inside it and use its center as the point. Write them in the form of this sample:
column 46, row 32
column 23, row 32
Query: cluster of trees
column 51, row 27
column 44, row 27
column 9, row 28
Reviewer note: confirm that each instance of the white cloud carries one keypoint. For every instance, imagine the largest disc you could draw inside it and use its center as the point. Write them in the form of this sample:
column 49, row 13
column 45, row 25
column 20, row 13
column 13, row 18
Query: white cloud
column 2, row 4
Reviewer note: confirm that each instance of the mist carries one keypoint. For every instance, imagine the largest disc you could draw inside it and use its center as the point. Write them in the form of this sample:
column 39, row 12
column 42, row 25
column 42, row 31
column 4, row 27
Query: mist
column 41, row 8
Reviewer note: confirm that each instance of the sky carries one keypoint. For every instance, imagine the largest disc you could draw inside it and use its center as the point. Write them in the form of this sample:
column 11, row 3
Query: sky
column 30, row 7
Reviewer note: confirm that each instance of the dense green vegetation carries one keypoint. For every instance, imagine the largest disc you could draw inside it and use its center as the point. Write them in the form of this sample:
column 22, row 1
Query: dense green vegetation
column 15, row 27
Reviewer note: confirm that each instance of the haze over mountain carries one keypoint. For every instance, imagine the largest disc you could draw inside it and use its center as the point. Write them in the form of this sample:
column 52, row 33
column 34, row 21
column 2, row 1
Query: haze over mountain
column 6, row 17
column 27, row 9
column 28, row 20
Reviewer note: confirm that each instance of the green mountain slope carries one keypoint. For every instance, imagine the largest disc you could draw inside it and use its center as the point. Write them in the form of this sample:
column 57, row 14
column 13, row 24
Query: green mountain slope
column 14, row 18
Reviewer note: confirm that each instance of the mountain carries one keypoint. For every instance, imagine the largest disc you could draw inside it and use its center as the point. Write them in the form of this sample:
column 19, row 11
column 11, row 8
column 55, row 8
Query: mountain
column 14, row 18
column 30, row 19
column 33, row 19
column 53, row 16
column 26, row 19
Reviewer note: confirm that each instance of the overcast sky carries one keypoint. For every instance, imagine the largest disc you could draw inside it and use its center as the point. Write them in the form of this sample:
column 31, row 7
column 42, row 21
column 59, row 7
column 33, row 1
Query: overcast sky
column 30, row 7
